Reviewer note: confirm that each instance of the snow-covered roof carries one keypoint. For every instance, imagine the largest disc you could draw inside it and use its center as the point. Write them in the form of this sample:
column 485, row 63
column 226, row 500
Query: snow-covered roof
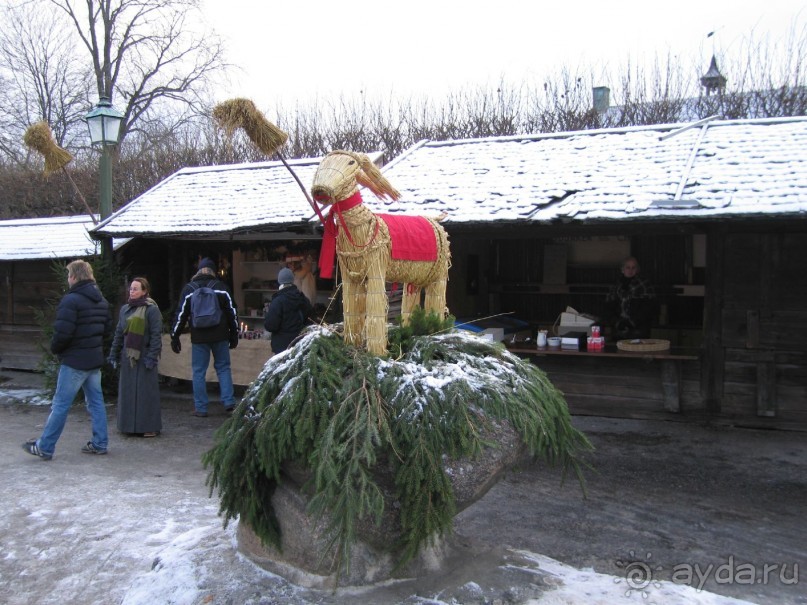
column 679, row 171
column 219, row 199
column 48, row 238
column 710, row 169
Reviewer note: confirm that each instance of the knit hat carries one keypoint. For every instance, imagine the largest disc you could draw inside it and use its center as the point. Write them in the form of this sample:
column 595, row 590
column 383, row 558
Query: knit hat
column 206, row 263
column 285, row 276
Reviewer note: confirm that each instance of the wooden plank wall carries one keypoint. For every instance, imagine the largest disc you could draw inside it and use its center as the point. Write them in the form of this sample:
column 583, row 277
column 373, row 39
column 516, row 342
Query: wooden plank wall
column 20, row 348
column 26, row 286
column 621, row 388
column 763, row 325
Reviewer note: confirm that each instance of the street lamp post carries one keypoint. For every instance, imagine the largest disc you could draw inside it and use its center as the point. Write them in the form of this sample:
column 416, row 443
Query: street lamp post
column 103, row 122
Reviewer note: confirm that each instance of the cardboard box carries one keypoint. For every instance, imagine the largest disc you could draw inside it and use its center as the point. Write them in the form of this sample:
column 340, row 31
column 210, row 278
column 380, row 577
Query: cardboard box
column 575, row 341
column 496, row 334
column 572, row 321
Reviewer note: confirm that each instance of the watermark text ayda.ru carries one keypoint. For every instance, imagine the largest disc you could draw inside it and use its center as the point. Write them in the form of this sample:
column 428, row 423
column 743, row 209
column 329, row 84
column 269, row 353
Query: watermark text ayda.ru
column 642, row 576
column 731, row 572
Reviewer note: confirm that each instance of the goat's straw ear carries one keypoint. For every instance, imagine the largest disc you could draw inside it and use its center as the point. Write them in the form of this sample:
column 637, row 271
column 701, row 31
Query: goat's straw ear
column 40, row 138
column 242, row 113
column 370, row 176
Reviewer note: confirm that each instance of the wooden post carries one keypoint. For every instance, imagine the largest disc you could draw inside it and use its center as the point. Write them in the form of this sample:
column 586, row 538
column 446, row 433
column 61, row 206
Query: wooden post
column 766, row 384
column 671, row 384
column 714, row 353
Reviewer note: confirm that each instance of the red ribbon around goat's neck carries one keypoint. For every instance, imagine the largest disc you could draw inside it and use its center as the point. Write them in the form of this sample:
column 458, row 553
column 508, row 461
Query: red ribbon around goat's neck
column 327, row 253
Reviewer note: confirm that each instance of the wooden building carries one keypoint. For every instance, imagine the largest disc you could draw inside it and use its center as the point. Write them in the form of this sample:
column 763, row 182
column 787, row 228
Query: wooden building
column 715, row 212
column 251, row 219
column 28, row 249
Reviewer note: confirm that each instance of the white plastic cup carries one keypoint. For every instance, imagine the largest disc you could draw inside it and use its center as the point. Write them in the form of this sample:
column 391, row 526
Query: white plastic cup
column 541, row 338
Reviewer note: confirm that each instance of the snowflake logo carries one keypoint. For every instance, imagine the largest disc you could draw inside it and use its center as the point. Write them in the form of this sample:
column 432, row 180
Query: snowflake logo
column 638, row 575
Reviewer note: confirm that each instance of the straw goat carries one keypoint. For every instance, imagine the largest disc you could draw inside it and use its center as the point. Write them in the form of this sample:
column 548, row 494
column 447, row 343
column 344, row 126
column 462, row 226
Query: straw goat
column 364, row 249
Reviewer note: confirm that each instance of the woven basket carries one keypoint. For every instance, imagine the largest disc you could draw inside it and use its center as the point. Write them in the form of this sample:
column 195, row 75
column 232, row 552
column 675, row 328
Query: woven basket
column 644, row 345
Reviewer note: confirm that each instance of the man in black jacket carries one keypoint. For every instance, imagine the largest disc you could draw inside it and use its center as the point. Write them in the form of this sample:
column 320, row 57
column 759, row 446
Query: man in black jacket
column 287, row 312
column 218, row 339
column 83, row 320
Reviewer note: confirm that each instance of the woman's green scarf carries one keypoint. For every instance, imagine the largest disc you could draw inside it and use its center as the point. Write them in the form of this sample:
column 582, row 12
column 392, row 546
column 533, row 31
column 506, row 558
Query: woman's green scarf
column 135, row 329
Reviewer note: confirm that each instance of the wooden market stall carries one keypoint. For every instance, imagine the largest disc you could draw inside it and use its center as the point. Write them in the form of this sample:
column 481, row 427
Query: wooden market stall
column 246, row 360
column 30, row 252
column 715, row 211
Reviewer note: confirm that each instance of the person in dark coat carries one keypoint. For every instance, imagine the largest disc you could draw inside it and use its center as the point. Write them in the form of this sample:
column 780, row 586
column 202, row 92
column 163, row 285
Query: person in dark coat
column 136, row 350
column 83, row 320
column 631, row 303
column 287, row 312
column 215, row 340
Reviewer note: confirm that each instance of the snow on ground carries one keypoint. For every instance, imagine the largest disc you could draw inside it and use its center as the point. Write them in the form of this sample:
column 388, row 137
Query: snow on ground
column 182, row 575
column 26, row 396
column 584, row 586
column 157, row 539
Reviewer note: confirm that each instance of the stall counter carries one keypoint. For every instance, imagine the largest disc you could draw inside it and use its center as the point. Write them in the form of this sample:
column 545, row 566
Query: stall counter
column 246, row 360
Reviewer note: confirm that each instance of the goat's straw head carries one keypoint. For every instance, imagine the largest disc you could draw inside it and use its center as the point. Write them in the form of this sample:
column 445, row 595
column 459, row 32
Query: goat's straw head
column 242, row 113
column 40, row 138
column 341, row 172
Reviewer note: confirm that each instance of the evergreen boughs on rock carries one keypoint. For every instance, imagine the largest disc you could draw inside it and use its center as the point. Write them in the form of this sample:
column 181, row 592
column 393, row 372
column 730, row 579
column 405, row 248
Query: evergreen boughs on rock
column 340, row 413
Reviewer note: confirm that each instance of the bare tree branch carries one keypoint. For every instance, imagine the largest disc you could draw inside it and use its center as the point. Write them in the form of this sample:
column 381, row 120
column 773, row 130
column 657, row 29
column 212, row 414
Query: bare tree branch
column 143, row 52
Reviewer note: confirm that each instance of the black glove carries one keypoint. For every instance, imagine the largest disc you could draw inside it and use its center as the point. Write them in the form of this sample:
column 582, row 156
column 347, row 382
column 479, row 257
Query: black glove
column 176, row 346
column 233, row 341
column 150, row 363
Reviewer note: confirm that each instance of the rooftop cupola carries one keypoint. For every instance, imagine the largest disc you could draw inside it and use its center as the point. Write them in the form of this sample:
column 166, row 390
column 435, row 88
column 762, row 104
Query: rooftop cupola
column 713, row 80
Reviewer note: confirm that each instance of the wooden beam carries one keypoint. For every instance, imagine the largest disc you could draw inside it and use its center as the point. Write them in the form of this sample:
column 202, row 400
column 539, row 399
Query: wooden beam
column 714, row 352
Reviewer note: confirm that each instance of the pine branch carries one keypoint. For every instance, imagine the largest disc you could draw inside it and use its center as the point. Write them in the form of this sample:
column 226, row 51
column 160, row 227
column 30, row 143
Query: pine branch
column 347, row 416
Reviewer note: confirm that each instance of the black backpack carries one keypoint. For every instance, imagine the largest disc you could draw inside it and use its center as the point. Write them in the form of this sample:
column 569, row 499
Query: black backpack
column 205, row 307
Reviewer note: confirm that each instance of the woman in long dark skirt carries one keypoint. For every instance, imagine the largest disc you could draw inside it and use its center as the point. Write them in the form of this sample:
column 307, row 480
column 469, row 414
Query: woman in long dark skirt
column 136, row 350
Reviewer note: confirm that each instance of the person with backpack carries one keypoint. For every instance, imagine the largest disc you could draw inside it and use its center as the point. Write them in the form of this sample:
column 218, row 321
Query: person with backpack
column 287, row 312
column 206, row 305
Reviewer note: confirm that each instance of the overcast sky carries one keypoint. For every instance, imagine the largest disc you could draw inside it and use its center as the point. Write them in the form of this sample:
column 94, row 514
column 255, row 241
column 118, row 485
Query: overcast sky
column 297, row 51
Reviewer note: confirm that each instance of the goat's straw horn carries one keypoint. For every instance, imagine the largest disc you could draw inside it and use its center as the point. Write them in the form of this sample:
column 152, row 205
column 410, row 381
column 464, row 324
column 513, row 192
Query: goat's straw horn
column 242, row 113
column 370, row 176
column 39, row 137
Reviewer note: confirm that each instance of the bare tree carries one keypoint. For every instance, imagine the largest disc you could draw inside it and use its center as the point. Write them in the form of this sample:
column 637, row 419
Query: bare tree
column 144, row 52
column 42, row 79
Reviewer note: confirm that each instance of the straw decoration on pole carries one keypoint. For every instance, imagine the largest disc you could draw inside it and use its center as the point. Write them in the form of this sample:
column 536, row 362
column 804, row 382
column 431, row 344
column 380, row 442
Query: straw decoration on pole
column 39, row 137
column 268, row 138
column 242, row 113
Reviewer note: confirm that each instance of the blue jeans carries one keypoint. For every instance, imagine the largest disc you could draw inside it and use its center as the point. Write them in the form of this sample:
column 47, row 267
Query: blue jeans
column 67, row 385
column 200, row 359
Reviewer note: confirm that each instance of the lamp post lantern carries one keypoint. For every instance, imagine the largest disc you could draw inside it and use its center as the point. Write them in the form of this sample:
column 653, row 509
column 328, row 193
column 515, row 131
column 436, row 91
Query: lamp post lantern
column 104, row 122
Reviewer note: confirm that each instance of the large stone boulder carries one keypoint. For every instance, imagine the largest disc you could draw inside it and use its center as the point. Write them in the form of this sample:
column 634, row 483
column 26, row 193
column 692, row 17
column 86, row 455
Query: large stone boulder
column 306, row 559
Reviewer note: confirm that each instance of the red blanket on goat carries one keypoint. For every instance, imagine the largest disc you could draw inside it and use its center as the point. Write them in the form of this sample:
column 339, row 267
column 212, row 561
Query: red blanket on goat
column 412, row 237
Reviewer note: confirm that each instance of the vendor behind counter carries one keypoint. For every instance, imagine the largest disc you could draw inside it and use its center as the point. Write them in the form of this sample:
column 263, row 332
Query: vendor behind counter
column 631, row 303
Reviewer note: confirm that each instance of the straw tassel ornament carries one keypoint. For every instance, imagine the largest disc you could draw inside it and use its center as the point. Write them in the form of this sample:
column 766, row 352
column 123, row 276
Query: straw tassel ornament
column 242, row 113
column 268, row 138
column 39, row 137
